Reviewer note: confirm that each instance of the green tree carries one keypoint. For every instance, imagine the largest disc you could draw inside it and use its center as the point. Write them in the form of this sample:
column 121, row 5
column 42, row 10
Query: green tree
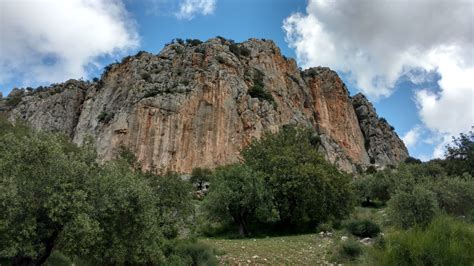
column 460, row 155
column 306, row 189
column 43, row 191
column 200, row 176
column 237, row 193
column 415, row 206
column 53, row 195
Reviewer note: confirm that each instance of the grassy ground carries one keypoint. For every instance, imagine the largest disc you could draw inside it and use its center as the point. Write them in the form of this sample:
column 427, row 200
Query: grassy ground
column 307, row 249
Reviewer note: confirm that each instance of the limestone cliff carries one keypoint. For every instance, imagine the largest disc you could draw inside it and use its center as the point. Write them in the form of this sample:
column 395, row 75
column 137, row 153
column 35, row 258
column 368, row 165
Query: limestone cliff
column 198, row 104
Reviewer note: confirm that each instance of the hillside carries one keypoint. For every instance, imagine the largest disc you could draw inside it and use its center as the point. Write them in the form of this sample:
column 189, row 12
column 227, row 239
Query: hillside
column 197, row 104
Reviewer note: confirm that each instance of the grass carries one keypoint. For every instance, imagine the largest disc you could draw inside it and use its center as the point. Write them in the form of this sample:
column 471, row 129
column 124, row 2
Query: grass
column 309, row 249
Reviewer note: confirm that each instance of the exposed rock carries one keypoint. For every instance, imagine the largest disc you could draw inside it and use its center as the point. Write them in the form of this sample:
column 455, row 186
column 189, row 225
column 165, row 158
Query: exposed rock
column 381, row 141
column 344, row 238
column 191, row 106
column 367, row 241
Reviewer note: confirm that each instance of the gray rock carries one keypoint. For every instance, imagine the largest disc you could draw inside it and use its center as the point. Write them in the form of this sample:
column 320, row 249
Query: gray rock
column 190, row 106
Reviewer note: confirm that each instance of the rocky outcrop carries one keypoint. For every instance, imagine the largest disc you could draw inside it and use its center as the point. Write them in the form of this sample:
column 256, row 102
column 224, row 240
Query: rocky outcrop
column 381, row 141
column 198, row 104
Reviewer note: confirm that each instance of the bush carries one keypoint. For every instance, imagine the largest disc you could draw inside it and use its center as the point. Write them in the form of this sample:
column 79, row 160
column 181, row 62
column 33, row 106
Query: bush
column 239, row 50
column 414, row 207
column 259, row 92
column 193, row 42
column 191, row 253
column 13, row 101
column 105, row 117
column 363, row 228
column 146, row 76
column 350, row 249
column 446, row 241
column 455, row 195
column 378, row 186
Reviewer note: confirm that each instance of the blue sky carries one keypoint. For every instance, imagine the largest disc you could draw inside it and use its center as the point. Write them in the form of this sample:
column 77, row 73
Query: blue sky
column 415, row 67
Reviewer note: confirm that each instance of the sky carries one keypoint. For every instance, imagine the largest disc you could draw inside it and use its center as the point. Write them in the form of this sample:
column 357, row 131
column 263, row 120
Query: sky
column 414, row 59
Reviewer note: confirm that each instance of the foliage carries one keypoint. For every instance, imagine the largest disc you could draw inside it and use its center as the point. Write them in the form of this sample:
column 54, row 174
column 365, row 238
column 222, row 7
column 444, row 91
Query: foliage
column 193, row 42
column 460, row 155
column 415, row 206
column 105, row 117
column 13, row 101
column 378, row 186
column 305, row 188
column 239, row 193
column 350, row 249
column 43, row 190
column 239, row 50
column 259, row 92
column 258, row 89
column 455, row 195
column 173, row 201
column 146, row 76
column 191, row 253
column 54, row 195
column 58, row 259
column 363, row 228
column 199, row 176
column 412, row 160
column 446, row 241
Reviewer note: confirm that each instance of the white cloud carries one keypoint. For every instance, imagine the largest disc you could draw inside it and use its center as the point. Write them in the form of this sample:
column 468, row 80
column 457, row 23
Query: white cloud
column 411, row 138
column 188, row 9
column 378, row 44
column 54, row 40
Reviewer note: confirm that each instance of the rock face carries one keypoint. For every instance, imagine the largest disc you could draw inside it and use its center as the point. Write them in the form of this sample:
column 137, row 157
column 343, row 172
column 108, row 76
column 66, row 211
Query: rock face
column 198, row 104
column 381, row 142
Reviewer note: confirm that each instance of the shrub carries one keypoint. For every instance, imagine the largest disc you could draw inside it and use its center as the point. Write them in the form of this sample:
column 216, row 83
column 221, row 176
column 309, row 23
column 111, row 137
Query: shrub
column 244, row 51
column 324, row 227
column 220, row 59
column 455, row 195
column 259, row 92
column 146, row 76
column 13, row 101
column 378, row 186
column 193, row 42
column 363, row 228
column 105, row 117
column 350, row 249
column 191, row 253
column 234, row 48
column 414, row 207
column 446, row 241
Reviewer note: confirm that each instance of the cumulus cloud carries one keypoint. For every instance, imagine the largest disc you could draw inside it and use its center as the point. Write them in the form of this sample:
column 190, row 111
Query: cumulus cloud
column 412, row 136
column 378, row 44
column 53, row 40
column 188, row 9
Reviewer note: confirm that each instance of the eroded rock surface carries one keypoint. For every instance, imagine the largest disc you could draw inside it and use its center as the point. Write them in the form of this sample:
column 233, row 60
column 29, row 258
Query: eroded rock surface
column 198, row 104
